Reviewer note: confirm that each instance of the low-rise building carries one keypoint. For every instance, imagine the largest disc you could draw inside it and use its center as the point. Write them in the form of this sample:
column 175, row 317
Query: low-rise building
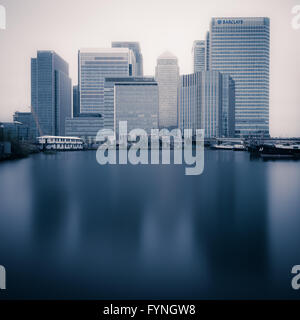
column 85, row 126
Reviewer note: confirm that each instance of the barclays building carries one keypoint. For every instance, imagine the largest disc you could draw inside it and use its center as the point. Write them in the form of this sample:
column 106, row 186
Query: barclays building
column 240, row 47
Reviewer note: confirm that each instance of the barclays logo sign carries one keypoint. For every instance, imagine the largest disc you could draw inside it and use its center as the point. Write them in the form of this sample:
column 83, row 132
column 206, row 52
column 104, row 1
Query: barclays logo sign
column 230, row 21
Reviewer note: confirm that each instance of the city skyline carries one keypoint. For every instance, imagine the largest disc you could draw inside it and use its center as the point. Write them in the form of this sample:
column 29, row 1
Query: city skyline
column 284, row 51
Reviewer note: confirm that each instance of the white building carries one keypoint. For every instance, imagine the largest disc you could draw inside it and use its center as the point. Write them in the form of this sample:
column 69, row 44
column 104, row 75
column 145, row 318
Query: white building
column 94, row 66
column 59, row 143
column 199, row 55
column 167, row 77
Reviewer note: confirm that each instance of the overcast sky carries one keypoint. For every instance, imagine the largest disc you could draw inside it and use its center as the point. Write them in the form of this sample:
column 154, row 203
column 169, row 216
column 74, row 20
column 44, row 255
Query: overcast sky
column 67, row 25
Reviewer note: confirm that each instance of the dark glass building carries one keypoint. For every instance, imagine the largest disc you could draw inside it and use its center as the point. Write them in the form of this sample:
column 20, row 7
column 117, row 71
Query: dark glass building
column 51, row 89
column 76, row 101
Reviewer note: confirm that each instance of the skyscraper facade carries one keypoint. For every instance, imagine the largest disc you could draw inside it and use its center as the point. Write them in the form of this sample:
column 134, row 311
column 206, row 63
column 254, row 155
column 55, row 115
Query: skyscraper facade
column 135, row 47
column 211, row 104
column 94, row 66
column 50, row 93
column 136, row 101
column 167, row 77
column 206, row 101
column 199, row 55
column 189, row 110
column 240, row 47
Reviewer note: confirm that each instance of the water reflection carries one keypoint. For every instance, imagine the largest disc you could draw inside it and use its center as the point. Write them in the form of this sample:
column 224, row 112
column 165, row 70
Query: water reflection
column 284, row 222
column 70, row 228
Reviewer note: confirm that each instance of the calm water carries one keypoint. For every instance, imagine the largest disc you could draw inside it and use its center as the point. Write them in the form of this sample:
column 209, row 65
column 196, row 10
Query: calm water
column 70, row 228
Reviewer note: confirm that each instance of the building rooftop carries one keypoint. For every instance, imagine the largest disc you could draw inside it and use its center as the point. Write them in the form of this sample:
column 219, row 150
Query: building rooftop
column 167, row 55
column 104, row 50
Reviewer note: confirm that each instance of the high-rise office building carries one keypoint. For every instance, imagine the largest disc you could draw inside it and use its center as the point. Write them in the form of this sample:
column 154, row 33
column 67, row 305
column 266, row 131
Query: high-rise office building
column 199, row 55
column 211, row 104
column 189, row 104
column 240, row 47
column 135, row 47
column 109, row 92
column 206, row 101
column 51, row 96
column 76, row 104
column 167, row 77
column 94, row 66
column 136, row 101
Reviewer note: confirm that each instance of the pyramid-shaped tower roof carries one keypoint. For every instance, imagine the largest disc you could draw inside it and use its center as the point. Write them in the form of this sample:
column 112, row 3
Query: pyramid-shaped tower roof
column 167, row 55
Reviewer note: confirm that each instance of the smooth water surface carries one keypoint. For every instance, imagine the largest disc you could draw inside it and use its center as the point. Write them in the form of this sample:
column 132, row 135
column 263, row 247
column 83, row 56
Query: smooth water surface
column 72, row 229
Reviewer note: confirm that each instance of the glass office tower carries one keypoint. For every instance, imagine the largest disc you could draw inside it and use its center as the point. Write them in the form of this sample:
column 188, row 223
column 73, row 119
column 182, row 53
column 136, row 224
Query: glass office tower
column 167, row 77
column 211, row 104
column 199, row 55
column 206, row 101
column 51, row 93
column 240, row 47
column 190, row 101
column 135, row 47
column 94, row 66
column 136, row 101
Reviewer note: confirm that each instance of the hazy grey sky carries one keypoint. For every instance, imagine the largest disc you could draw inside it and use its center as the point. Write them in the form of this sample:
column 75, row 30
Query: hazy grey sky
column 67, row 25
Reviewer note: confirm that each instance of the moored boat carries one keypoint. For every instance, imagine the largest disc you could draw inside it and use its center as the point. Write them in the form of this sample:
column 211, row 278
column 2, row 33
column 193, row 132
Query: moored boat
column 294, row 148
column 239, row 147
column 222, row 147
column 280, row 151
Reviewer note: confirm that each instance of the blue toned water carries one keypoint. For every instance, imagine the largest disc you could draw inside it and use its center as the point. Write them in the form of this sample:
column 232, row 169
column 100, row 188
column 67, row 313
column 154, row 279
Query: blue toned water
column 70, row 228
